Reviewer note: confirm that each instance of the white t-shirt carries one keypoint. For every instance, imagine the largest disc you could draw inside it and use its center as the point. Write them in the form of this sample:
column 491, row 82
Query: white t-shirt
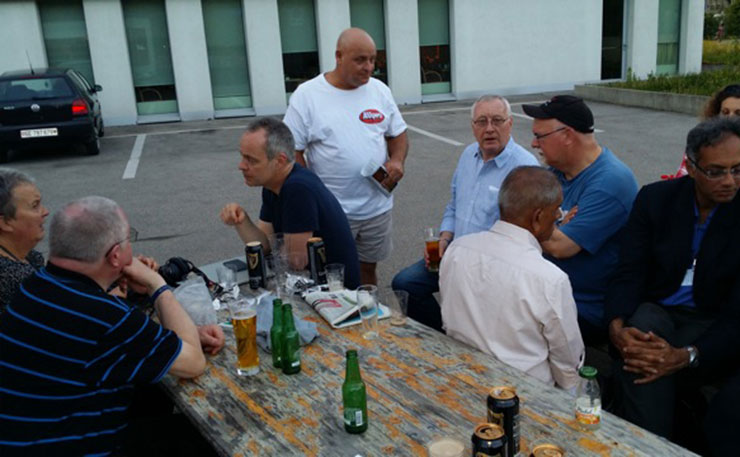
column 340, row 132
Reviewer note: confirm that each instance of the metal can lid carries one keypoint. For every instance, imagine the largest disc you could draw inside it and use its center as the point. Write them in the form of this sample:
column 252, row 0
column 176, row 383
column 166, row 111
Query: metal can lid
column 489, row 431
column 548, row 450
column 254, row 243
column 503, row 392
column 588, row 372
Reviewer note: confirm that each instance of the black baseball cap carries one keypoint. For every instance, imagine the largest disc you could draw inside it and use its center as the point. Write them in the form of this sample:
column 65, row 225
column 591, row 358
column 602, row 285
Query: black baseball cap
column 568, row 109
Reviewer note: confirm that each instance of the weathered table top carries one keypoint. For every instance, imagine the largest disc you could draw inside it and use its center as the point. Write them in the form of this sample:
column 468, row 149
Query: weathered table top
column 420, row 384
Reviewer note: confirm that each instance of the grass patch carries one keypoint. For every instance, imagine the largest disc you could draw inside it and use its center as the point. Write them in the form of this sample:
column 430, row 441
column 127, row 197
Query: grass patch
column 695, row 84
column 725, row 52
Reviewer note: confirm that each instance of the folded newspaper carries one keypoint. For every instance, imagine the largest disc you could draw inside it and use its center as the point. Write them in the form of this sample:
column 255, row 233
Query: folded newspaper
column 339, row 308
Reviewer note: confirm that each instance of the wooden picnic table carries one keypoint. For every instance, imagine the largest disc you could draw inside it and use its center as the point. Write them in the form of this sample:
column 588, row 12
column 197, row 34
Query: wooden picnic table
column 421, row 384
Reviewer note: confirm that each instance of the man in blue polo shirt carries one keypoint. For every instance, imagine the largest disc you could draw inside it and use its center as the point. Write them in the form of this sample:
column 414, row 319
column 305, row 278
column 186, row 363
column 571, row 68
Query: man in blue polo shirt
column 473, row 205
column 294, row 201
column 71, row 353
column 599, row 188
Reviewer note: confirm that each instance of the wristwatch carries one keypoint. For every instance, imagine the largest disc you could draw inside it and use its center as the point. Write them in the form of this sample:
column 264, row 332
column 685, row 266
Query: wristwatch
column 693, row 356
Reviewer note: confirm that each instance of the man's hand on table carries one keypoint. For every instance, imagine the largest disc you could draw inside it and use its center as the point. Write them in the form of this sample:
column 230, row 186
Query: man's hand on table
column 233, row 214
column 211, row 338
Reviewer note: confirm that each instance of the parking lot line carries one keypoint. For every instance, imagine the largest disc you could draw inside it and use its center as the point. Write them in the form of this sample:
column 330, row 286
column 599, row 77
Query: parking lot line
column 133, row 161
column 435, row 136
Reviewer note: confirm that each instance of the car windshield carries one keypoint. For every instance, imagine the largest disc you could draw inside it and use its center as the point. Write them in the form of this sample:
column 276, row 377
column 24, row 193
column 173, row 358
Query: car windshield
column 14, row 90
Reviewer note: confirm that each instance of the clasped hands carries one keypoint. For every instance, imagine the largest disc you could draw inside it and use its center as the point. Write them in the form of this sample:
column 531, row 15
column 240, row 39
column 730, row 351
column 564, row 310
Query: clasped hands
column 646, row 353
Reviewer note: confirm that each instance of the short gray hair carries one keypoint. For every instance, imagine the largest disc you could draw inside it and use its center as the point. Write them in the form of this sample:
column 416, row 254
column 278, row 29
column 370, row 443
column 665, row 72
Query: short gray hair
column 9, row 180
column 278, row 136
column 710, row 133
column 85, row 229
column 491, row 98
column 527, row 188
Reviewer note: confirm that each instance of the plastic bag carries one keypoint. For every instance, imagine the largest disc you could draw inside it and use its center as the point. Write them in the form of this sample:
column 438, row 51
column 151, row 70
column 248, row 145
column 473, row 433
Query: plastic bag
column 194, row 297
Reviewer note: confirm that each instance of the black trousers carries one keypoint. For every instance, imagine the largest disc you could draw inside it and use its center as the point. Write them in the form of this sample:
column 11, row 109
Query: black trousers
column 651, row 406
column 723, row 418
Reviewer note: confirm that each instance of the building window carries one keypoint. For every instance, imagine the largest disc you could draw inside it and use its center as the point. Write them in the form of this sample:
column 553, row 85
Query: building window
column 151, row 61
column 612, row 26
column 65, row 35
column 298, row 38
column 227, row 54
column 434, row 46
column 368, row 15
column 669, row 27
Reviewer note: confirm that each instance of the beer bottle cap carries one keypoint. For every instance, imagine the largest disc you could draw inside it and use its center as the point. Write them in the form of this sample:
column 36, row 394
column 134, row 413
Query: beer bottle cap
column 588, row 372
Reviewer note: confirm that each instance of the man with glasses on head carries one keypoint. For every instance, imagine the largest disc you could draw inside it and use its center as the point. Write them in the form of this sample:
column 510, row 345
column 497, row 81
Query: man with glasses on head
column 473, row 205
column 598, row 191
column 71, row 353
column 674, row 305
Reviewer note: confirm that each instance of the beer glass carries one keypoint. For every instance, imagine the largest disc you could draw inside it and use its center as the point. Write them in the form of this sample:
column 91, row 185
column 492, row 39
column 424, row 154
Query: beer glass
column 446, row 447
column 397, row 301
column 335, row 277
column 244, row 322
column 431, row 239
column 367, row 302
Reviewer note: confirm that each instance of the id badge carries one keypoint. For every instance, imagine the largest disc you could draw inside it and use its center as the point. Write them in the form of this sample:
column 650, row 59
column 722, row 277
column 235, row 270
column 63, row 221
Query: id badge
column 688, row 279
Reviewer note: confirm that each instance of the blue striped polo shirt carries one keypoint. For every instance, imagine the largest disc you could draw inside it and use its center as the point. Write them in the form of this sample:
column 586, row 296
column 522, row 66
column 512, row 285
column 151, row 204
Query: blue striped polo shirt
column 70, row 355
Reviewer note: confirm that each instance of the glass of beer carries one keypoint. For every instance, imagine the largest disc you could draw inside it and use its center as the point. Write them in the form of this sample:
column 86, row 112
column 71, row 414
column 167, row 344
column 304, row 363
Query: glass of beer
column 244, row 322
column 431, row 238
column 335, row 277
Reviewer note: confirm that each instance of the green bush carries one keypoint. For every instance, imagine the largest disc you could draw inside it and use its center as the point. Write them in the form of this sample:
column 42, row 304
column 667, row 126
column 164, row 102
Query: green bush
column 732, row 19
column 696, row 84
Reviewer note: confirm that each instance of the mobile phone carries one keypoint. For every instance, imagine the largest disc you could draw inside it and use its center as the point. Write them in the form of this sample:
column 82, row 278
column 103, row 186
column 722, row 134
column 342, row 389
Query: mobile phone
column 236, row 265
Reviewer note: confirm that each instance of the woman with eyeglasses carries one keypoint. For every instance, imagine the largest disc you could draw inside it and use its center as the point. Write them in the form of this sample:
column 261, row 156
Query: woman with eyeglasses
column 726, row 103
column 22, row 217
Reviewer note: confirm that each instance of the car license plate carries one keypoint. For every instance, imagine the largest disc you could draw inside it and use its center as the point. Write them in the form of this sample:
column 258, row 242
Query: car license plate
column 38, row 133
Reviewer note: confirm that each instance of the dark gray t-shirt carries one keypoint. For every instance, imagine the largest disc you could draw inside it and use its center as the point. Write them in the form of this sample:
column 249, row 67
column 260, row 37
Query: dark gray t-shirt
column 13, row 272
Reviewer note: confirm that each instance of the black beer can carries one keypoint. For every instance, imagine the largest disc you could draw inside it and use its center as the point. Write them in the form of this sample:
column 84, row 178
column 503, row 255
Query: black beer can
column 547, row 450
column 503, row 409
column 489, row 440
column 317, row 259
column 256, row 264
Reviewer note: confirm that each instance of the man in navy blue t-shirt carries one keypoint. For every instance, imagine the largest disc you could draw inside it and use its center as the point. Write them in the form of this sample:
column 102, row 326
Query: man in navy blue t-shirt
column 599, row 189
column 294, row 201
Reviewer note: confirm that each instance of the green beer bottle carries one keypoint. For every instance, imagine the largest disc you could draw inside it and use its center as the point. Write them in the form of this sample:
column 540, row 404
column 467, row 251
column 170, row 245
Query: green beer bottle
column 276, row 333
column 291, row 343
column 354, row 397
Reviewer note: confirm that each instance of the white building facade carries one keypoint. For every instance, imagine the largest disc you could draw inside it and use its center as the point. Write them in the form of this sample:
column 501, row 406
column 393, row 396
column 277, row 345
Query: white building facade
column 165, row 60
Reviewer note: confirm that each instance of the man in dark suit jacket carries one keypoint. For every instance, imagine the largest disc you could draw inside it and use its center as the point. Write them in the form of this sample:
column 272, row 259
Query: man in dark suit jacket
column 674, row 305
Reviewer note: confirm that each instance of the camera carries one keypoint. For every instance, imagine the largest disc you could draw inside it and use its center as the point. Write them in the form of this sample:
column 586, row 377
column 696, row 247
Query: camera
column 177, row 269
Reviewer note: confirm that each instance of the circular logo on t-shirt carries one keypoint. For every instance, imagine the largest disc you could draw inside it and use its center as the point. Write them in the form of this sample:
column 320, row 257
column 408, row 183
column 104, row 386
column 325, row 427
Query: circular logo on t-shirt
column 372, row 116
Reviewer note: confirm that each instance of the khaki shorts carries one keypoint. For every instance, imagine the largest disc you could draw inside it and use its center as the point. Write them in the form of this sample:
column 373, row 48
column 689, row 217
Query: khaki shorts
column 373, row 237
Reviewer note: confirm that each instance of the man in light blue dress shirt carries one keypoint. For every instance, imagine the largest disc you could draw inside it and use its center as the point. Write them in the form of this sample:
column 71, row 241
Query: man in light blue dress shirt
column 473, row 205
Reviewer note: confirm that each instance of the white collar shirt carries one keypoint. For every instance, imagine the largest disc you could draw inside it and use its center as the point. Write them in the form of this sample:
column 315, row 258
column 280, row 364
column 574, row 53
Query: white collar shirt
column 501, row 296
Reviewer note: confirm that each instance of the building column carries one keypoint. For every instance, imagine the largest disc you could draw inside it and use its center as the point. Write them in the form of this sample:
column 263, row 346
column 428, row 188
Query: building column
column 692, row 36
column 265, row 56
column 402, row 50
column 190, row 59
column 106, row 34
column 21, row 33
column 642, row 33
column 332, row 17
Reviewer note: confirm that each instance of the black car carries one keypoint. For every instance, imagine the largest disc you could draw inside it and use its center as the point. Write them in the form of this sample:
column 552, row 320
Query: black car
column 48, row 106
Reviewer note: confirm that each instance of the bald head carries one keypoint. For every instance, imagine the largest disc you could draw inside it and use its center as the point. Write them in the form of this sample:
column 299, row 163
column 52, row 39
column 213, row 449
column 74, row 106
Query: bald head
column 352, row 37
column 355, row 56
column 530, row 197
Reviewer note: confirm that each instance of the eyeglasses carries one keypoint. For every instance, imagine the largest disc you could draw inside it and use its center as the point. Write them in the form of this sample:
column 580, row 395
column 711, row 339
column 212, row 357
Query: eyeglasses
column 715, row 174
column 482, row 122
column 539, row 136
column 133, row 235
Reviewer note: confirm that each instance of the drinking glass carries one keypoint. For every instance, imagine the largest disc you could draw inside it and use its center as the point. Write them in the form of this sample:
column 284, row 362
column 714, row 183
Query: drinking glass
column 367, row 302
column 397, row 301
column 446, row 447
column 244, row 322
column 227, row 280
column 335, row 277
column 431, row 241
